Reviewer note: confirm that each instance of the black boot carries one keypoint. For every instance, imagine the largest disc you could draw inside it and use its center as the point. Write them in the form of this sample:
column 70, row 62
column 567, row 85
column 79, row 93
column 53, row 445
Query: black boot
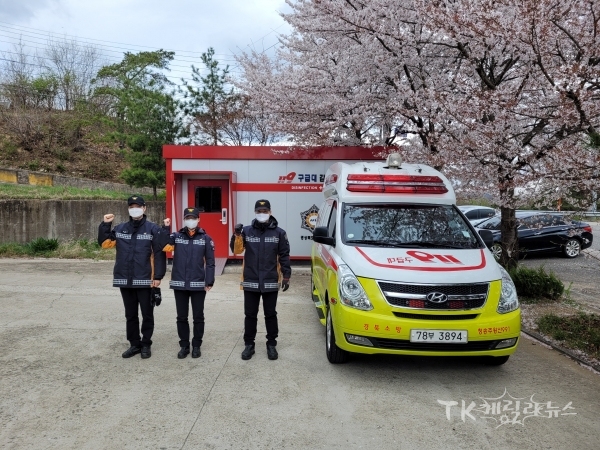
column 248, row 352
column 146, row 353
column 131, row 351
column 272, row 352
column 183, row 352
column 196, row 352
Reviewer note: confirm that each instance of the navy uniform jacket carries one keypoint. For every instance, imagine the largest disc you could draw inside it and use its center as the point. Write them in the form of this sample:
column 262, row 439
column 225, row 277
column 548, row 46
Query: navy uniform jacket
column 267, row 257
column 140, row 258
column 193, row 260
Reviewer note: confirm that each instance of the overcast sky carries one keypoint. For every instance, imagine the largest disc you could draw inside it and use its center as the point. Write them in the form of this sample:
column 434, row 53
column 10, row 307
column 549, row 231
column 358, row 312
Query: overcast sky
column 188, row 27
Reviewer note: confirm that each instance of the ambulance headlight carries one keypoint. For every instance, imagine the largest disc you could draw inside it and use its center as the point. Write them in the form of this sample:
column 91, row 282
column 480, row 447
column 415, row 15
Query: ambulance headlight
column 351, row 292
column 508, row 296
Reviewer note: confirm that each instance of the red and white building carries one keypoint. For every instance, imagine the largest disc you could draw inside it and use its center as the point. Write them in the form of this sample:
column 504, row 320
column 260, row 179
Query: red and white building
column 225, row 182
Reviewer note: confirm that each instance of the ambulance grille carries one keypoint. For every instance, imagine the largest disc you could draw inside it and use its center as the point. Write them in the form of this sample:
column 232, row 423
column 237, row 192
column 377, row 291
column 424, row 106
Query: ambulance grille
column 436, row 316
column 458, row 296
column 397, row 344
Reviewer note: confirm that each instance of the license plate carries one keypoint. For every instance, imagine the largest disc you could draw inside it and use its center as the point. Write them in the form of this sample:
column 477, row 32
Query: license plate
column 441, row 336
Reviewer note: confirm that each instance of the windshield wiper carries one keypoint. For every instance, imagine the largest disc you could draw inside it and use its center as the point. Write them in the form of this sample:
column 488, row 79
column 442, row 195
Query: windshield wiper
column 375, row 242
column 436, row 245
column 411, row 244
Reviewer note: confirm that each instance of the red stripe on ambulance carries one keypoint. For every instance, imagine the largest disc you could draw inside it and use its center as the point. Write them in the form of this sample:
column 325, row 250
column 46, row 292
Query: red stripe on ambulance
column 429, row 258
column 327, row 258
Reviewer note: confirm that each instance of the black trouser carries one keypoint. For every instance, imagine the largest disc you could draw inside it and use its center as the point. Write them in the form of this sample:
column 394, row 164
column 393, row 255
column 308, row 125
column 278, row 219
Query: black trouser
column 131, row 299
column 251, row 304
column 182, row 303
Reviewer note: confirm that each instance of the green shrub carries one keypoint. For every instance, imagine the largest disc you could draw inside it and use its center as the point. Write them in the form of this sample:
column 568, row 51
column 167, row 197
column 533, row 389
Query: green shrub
column 63, row 155
column 536, row 284
column 42, row 245
column 34, row 165
column 9, row 149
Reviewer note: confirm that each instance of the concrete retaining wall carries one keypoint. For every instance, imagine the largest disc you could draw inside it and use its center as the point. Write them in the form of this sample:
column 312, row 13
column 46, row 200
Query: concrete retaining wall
column 22, row 221
column 49, row 179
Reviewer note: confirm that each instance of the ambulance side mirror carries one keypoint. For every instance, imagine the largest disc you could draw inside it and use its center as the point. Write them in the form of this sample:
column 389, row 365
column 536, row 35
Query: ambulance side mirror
column 488, row 237
column 320, row 236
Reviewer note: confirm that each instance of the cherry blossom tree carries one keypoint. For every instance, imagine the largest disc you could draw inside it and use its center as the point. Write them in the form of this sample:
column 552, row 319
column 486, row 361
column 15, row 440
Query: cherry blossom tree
column 502, row 94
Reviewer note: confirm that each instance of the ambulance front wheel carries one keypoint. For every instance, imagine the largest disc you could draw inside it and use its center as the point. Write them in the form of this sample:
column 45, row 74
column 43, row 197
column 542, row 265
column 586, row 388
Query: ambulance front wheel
column 335, row 355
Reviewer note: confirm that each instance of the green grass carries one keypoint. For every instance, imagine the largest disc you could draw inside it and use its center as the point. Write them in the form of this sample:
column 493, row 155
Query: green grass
column 26, row 192
column 51, row 248
column 580, row 332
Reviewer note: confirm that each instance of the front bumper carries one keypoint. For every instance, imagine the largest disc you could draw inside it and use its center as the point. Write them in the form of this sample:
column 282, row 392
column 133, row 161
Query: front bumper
column 388, row 328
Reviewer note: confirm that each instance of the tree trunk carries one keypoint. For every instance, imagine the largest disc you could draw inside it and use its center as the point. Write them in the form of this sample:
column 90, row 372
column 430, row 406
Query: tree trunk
column 154, row 193
column 508, row 229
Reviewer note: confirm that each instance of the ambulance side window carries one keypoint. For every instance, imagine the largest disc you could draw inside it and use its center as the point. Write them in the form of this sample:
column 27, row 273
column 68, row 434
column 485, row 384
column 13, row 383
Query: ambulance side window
column 332, row 220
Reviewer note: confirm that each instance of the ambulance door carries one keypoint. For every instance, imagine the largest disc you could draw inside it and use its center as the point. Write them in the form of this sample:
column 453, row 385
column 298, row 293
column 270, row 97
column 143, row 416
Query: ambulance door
column 211, row 197
column 325, row 254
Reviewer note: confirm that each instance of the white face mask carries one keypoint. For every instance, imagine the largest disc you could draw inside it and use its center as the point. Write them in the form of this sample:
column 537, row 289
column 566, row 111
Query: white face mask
column 191, row 223
column 136, row 213
column 262, row 217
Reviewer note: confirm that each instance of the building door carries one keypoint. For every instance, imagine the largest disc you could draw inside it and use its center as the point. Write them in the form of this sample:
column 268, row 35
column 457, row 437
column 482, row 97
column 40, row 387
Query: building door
column 212, row 198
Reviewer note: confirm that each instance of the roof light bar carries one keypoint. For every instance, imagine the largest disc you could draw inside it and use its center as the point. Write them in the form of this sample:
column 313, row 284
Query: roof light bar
column 396, row 184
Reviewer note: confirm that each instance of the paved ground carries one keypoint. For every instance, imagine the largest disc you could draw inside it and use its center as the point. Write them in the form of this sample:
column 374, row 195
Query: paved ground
column 64, row 385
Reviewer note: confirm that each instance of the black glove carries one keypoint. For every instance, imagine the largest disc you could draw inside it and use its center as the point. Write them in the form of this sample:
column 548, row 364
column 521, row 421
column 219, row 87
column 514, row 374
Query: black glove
column 285, row 284
column 238, row 228
column 156, row 296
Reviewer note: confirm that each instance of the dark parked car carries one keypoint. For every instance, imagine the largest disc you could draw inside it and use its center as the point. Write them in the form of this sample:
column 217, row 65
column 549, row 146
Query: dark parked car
column 477, row 214
column 540, row 231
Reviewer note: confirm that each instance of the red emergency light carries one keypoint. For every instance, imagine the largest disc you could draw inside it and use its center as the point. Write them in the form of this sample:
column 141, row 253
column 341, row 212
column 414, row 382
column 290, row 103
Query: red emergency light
column 396, row 184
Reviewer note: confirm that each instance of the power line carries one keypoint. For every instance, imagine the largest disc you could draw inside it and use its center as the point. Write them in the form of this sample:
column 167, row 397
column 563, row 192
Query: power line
column 103, row 49
column 111, row 42
column 48, row 35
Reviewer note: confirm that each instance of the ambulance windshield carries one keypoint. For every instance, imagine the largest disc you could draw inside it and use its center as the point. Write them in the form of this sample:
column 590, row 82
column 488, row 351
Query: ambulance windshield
column 406, row 225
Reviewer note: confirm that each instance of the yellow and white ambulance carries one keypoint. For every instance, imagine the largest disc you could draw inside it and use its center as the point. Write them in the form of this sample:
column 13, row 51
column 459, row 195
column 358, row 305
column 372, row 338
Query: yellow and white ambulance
column 397, row 269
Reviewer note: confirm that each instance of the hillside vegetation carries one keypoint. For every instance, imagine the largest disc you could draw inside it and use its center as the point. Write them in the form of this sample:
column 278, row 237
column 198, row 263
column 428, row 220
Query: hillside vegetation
column 61, row 142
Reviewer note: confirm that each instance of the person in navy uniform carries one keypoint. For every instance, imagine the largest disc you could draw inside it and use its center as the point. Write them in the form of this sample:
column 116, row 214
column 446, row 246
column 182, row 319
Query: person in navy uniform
column 192, row 276
column 266, row 267
column 140, row 264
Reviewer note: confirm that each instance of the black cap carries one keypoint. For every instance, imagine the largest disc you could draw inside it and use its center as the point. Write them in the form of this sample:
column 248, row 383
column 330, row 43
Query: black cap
column 191, row 212
column 262, row 204
column 136, row 199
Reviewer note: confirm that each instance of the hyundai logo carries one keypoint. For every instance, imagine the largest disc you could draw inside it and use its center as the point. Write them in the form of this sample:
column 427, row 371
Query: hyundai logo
column 437, row 297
